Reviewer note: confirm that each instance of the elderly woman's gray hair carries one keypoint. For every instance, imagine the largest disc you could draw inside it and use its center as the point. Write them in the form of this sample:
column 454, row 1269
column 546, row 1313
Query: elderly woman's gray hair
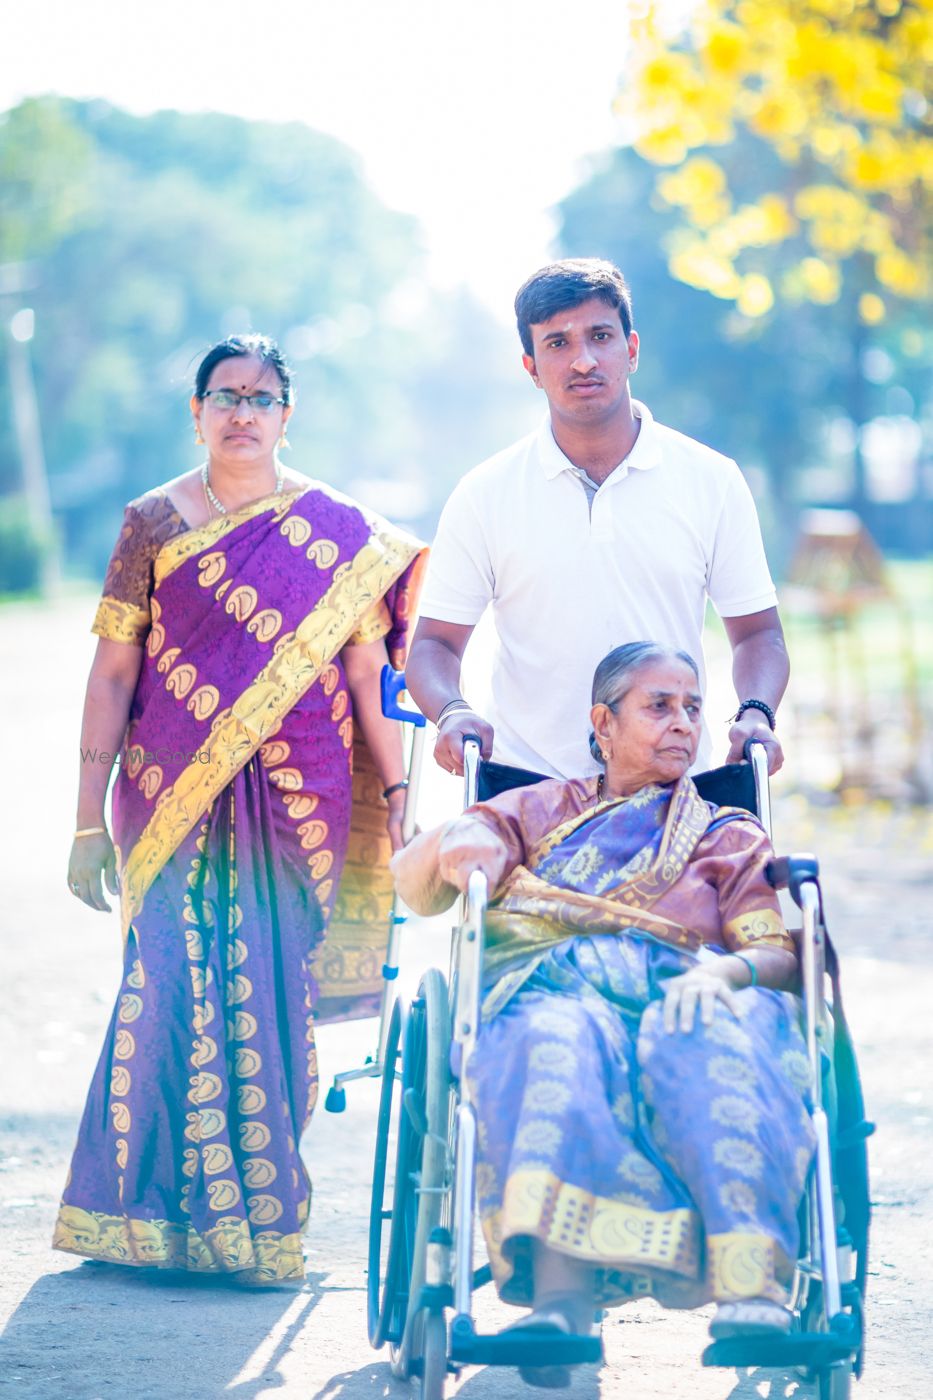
column 616, row 673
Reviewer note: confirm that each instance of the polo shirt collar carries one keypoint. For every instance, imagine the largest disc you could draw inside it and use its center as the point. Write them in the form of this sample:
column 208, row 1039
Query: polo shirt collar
column 645, row 454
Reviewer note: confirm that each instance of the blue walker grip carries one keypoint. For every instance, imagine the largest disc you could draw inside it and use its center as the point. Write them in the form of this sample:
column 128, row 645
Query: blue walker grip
column 392, row 683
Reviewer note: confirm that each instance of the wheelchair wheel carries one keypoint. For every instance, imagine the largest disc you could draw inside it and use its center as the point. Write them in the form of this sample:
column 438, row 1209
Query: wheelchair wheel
column 412, row 1112
column 836, row 1382
column 833, row 1382
column 434, row 1357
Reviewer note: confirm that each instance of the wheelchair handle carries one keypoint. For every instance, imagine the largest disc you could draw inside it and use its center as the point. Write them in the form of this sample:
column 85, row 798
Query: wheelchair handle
column 471, row 756
column 756, row 754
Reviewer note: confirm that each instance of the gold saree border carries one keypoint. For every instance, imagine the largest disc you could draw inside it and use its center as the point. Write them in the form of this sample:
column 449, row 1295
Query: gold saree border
column 180, row 548
column 238, row 731
column 623, row 1238
column 231, row 1247
column 117, row 621
column 756, row 928
column 582, row 1225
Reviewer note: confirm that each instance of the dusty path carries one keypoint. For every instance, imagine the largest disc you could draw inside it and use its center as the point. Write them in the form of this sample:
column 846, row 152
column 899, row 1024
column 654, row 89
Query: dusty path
column 84, row 1331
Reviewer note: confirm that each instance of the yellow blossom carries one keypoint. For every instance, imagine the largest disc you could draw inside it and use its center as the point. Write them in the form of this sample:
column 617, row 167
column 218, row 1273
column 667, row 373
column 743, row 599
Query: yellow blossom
column 838, row 91
column 899, row 273
column 724, row 51
column 821, row 280
column 870, row 308
column 756, row 297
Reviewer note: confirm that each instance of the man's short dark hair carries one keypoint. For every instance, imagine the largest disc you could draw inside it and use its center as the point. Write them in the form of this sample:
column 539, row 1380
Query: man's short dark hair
column 562, row 285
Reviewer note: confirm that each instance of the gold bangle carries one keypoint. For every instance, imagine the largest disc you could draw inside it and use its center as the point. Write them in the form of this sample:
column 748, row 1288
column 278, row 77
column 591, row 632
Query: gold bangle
column 91, row 831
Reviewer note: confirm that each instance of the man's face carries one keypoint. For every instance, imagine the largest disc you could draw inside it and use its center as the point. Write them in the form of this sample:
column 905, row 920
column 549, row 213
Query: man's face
column 582, row 360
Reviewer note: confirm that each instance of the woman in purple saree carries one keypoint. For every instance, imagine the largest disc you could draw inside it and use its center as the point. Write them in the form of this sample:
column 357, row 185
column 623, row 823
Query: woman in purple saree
column 639, row 1077
column 246, row 616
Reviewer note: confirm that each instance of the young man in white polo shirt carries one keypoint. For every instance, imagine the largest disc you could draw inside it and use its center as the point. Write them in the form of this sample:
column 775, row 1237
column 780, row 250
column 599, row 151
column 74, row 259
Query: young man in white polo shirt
column 601, row 528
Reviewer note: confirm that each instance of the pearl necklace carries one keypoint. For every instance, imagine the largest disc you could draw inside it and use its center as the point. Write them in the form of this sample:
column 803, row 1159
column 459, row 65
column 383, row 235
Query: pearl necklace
column 217, row 505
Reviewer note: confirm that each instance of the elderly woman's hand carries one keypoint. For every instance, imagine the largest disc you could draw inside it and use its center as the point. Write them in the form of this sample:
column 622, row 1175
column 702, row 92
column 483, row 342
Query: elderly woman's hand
column 702, row 986
column 467, row 846
column 90, row 857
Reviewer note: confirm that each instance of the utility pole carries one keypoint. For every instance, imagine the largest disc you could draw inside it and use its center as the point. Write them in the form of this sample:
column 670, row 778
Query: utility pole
column 15, row 280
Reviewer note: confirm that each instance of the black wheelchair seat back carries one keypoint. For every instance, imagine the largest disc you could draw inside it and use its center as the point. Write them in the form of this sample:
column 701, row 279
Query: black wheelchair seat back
column 733, row 785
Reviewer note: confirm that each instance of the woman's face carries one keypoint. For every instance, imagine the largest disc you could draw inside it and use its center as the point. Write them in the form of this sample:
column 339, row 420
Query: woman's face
column 246, row 433
column 651, row 735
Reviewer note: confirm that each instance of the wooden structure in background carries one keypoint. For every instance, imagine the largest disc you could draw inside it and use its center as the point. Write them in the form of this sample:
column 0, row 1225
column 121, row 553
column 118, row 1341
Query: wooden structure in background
column 837, row 571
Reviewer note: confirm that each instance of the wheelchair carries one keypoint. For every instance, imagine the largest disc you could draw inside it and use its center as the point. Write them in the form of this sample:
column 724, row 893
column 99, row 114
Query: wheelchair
column 422, row 1273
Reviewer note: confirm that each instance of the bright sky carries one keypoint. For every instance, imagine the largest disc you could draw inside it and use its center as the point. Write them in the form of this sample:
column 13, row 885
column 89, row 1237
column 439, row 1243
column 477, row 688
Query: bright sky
column 474, row 115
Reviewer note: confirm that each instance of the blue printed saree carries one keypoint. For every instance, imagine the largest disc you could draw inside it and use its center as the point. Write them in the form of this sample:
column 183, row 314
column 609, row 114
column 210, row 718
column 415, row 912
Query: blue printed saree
column 674, row 1163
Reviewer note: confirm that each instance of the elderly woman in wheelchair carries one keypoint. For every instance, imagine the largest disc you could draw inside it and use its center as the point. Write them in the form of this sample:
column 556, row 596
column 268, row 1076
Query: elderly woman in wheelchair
column 640, row 1077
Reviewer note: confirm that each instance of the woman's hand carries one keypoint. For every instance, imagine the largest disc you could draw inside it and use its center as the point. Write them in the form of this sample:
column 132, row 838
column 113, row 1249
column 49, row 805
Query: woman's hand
column 396, row 801
column 467, row 846
column 702, row 986
column 90, row 857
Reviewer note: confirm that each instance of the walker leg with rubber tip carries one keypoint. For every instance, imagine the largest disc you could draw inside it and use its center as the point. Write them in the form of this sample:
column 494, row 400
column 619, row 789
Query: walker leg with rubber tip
column 393, row 685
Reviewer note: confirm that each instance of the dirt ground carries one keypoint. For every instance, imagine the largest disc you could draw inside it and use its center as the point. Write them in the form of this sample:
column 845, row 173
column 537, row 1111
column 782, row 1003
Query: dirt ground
column 81, row 1331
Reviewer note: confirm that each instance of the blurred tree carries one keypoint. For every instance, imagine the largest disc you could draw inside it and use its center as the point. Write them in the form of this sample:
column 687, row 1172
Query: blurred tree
column 44, row 165
column 775, row 391
column 791, row 210
column 153, row 236
column 834, row 93
column 189, row 227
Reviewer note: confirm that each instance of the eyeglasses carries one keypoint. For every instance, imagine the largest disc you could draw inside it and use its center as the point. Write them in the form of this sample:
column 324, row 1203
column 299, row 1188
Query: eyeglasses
column 259, row 403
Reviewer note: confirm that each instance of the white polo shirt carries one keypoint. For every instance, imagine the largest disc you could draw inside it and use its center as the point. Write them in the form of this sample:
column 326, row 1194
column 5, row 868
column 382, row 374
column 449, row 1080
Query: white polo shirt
column 674, row 524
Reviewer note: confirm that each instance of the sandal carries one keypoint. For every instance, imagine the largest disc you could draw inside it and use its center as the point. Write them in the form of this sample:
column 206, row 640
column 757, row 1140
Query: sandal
column 750, row 1317
column 552, row 1316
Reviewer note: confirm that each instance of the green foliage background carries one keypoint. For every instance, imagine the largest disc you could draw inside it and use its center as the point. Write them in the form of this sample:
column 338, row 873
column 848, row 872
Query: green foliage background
column 147, row 238
column 142, row 240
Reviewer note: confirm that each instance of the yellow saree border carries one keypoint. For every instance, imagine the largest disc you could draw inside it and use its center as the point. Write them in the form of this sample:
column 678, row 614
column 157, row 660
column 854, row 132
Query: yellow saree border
column 180, row 548
column 599, row 1229
column 237, row 732
column 656, row 1247
column 263, row 1256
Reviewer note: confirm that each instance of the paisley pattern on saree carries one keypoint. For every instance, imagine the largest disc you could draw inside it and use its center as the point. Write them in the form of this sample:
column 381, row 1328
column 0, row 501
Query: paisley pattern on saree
column 347, row 582
column 232, row 816
column 229, row 1247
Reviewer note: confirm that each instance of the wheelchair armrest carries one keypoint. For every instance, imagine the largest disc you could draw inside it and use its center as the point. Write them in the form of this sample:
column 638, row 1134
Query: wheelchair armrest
column 790, row 872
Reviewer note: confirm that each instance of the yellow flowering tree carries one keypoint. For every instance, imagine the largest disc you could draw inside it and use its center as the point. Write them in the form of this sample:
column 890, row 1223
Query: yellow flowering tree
column 834, row 96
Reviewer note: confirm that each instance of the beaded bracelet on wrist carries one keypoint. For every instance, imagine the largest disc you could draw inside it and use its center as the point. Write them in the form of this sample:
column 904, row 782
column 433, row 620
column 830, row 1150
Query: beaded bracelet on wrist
column 761, row 705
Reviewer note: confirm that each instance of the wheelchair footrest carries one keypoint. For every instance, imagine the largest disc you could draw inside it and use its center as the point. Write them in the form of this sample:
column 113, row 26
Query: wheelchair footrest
column 519, row 1348
column 811, row 1349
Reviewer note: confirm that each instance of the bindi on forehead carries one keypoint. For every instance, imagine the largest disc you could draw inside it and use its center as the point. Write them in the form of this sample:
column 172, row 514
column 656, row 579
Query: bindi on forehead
column 244, row 375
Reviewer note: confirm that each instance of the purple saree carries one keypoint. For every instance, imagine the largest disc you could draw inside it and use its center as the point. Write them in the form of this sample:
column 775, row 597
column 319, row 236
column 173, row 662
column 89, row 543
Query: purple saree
column 231, row 817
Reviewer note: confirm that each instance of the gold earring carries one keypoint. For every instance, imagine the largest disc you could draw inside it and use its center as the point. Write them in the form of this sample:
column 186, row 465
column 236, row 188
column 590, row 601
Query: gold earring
column 606, row 755
column 283, row 440
column 197, row 435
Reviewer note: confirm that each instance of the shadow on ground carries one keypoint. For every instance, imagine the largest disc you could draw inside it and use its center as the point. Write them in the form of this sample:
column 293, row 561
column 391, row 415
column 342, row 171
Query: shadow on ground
column 205, row 1337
